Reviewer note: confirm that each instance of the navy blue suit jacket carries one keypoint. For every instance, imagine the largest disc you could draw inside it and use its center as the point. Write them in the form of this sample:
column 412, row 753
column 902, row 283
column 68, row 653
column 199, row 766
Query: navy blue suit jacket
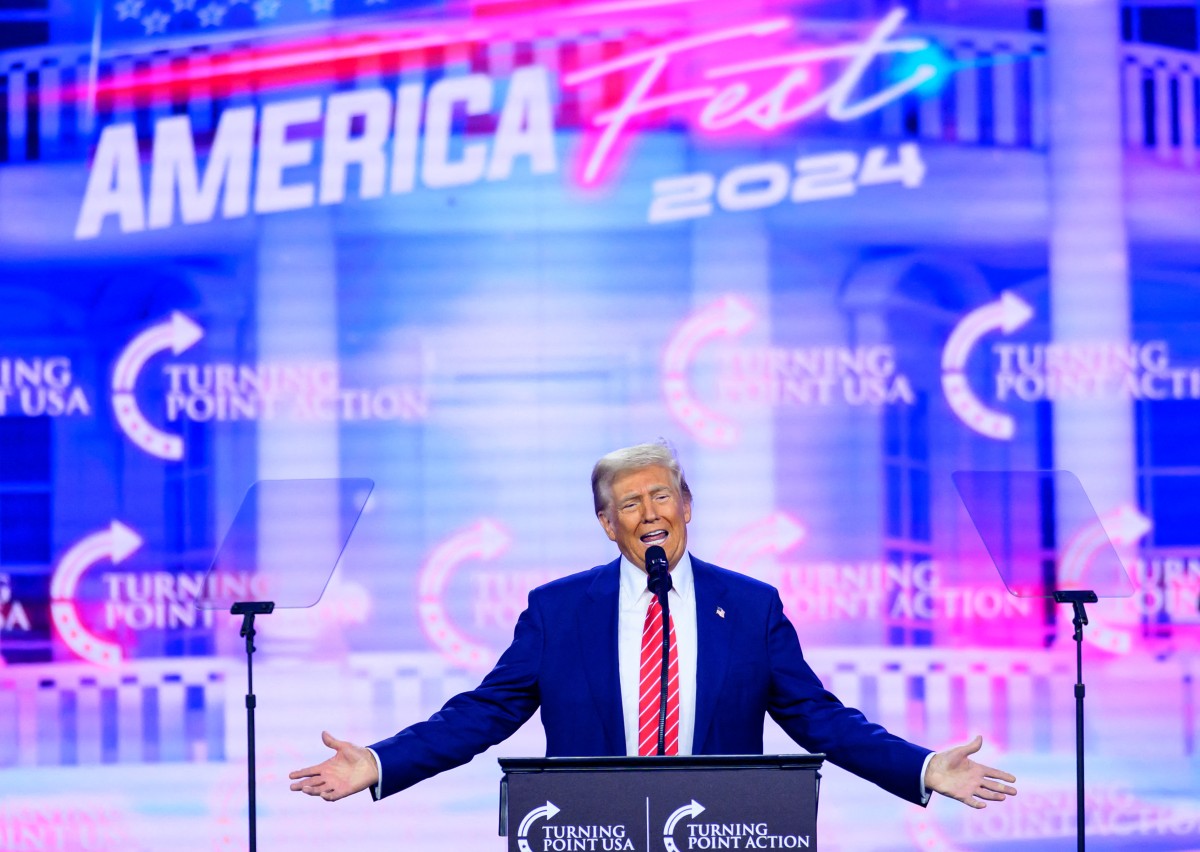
column 563, row 659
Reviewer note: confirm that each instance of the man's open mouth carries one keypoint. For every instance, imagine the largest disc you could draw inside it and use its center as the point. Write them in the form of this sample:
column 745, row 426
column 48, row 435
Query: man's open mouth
column 656, row 537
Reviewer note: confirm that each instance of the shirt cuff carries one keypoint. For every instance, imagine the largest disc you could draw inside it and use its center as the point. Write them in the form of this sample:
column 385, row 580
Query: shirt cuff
column 377, row 790
column 924, row 768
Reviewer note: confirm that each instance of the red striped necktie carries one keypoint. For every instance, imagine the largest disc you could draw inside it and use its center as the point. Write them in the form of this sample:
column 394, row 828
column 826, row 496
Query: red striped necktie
column 651, row 685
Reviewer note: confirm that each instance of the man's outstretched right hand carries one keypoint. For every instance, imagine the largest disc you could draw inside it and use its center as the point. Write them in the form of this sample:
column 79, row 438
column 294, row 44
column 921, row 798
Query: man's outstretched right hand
column 350, row 770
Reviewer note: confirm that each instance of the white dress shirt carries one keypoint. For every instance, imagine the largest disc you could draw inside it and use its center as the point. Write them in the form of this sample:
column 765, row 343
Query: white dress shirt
column 634, row 600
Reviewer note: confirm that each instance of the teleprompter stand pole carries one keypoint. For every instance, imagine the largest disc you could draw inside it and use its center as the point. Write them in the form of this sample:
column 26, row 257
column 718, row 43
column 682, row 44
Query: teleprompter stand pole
column 1077, row 600
column 247, row 610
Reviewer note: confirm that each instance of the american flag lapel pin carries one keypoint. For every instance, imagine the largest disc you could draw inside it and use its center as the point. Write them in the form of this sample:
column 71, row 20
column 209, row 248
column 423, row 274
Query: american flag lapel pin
column 721, row 612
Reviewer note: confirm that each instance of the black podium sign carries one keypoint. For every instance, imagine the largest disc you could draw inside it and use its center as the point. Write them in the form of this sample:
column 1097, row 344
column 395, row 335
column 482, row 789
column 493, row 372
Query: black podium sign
column 660, row 804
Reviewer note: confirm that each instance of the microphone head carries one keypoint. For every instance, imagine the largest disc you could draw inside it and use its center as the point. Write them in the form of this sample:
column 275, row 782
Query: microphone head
column 658, row 571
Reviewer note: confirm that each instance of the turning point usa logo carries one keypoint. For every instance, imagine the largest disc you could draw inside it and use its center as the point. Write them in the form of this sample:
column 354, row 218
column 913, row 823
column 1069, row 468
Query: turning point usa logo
column 562, row 837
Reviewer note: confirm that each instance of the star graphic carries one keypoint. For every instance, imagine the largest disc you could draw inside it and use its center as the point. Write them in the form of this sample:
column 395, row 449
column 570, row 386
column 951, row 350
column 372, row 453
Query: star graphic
column 264, row 9
column 211, row 15
column 156, row 22
column 320, row 5
column 127, row 9
column 183, row 5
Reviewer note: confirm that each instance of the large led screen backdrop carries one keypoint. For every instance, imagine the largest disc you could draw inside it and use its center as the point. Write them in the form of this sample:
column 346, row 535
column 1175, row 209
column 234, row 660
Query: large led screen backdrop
column 833, row 251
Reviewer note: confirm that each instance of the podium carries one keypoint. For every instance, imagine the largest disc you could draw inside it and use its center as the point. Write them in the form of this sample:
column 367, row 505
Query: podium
column 660, row 804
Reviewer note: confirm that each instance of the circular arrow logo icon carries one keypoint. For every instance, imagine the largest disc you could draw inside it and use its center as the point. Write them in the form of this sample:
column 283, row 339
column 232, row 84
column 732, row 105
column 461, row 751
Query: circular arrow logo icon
column 1123, row 527
column 547, row 811
column 484, row 540
column 771, row 536
column 725, row 317
column 116, row 544
column 177, row 335
column 692, row 810
column 1008, row 313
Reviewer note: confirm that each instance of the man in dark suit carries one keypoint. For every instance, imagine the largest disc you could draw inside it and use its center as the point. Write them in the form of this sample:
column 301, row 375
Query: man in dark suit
column 577, row 655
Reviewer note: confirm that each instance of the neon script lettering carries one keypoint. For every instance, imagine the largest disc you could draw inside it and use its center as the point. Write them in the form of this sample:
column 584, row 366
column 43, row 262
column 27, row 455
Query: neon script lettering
column 732, row 93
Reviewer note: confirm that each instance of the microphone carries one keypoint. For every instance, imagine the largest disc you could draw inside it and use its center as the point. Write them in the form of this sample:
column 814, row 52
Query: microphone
column 658, row 572
column 658, row 580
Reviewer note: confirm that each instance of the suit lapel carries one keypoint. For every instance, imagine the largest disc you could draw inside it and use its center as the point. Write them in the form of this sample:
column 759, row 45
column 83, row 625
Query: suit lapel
column 597, row 627
column 714, row 635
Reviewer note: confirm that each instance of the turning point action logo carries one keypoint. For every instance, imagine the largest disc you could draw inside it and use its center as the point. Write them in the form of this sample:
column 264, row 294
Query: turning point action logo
column 1051, row 371
column 222, row 392
column 726, row 835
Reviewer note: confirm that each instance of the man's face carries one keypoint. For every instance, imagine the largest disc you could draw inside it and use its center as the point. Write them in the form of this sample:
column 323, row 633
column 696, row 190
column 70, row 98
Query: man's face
column 647, row 509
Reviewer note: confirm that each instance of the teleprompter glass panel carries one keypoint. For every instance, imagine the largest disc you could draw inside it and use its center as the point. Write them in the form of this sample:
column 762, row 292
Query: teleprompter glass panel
column 1042, row 533
column 284, row 542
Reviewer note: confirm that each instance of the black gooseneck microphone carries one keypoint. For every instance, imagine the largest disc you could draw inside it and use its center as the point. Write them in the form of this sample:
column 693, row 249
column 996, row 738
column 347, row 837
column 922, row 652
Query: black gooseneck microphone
column 658, row 580
column 658, row 573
